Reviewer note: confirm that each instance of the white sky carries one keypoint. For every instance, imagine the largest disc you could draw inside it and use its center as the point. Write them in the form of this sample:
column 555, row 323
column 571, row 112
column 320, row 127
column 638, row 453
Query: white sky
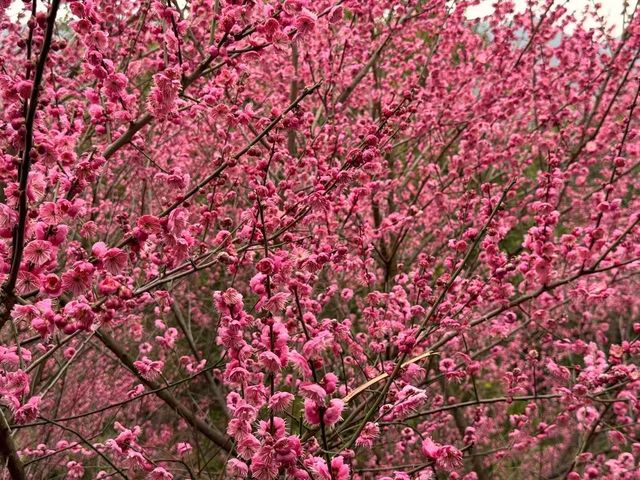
column 611, row 9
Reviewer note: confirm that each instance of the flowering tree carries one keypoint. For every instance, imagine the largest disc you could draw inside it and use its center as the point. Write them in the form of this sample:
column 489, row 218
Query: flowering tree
column 318, row 240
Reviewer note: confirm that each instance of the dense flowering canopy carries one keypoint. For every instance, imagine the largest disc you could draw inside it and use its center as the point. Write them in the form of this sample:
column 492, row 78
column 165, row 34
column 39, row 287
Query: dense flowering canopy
column 318, row 240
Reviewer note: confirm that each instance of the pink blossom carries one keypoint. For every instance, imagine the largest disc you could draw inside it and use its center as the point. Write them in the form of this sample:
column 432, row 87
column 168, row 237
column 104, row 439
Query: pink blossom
column 75, row 469
column 300, row 363
column 275, row 303
column 318, row 344
column 449, row 457
column 333, row 413
column 305, row 21
column 78, row 279
column 369, row 433
column 264, row 465
column 280, row 401
column 314, row 392
column 148, row 368
column 38, row 252
column 311, row 412
column 52, row 285
column 430, row 449
column 28, row 412
column 339, row 469
column 163, row 95
column 237, row 469
column 160, row 473
column 114, row 260
column 296, row 239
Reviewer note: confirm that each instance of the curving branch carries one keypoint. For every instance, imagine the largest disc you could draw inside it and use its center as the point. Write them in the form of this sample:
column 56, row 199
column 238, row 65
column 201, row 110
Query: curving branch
column 209, row 431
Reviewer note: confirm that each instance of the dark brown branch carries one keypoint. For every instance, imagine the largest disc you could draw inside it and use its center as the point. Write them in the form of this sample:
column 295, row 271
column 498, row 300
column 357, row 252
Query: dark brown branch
column 7, row 296
column 9, row 452
column 88, row 444
column 116, row 404
column 209, row 431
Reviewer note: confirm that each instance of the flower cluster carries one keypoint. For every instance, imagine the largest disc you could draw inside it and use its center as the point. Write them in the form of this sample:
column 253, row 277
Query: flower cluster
column 318, row 240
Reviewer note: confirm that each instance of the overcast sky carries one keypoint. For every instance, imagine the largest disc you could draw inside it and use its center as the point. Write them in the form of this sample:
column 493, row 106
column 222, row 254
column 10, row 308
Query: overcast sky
column 610, row 9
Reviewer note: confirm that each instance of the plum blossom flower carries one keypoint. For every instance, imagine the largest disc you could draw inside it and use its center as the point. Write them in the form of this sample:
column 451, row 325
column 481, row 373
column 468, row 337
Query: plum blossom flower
column 163, row 95
column 447, row 457
column 9, row 356
column 228, row 301
column 28, row 412
column 333, row 413
column 74, row 470
column 586, row 416
column 339, row 469
column 160, row 473
column 183, row 448
column 305, row 21
column 80, row 313
column 38, row 252
column 13, row 385
column 149, row 369
column 265, row 266
column 52, row 285
column 311, row 412
column 8, row 216
column 51, row 213
column 280, row 401
column 78, row 279
column 300, row 363
column 316, row 345
column 313, row 391
column 150, row 224
column 270, row 361
column 346, row 294
column 114, row 260
column 27, row 281
column 237, row 469
column 369, row 433
column 248, row 444
column 275, row 303
column 430, row 449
